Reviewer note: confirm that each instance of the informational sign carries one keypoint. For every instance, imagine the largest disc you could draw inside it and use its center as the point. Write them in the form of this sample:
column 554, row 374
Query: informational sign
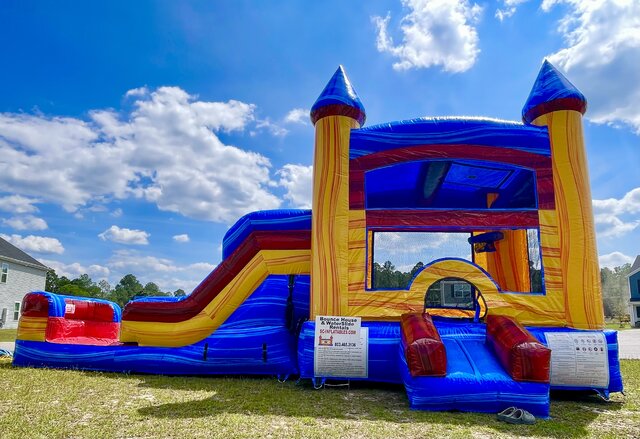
column 69, row 308
column 578, row 359
column 341, row 347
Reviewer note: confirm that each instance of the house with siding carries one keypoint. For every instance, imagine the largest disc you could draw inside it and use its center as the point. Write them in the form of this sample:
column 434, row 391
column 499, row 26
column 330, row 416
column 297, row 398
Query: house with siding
column 634, row 292
column 19, row 275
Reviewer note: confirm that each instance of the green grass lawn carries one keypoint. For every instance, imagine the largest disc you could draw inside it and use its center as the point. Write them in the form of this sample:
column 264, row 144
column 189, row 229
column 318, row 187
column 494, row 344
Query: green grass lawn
column 8, row 334
column 42, row 403
column 616, row 326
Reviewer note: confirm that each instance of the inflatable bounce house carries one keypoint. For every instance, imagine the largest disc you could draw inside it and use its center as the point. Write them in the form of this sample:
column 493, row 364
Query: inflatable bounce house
column 500, row 304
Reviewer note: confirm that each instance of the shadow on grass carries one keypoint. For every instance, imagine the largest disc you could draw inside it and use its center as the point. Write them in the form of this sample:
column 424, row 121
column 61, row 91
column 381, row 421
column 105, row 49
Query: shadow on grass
column 362, row 402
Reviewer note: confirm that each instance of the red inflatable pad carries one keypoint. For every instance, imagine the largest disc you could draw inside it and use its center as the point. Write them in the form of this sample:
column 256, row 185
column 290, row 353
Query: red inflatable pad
column 521, row 354
column 35, row 305
column 60, row 329
column 423, row 348
column 87, row 310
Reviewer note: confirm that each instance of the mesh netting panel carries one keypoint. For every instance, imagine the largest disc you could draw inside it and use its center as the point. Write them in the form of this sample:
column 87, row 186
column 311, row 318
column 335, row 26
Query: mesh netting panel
column 535, row 260
column 397, row 256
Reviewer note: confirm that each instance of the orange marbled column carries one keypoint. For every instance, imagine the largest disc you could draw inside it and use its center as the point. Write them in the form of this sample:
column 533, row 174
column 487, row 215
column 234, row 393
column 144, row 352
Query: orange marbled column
column 576, row 247
column 330, row 218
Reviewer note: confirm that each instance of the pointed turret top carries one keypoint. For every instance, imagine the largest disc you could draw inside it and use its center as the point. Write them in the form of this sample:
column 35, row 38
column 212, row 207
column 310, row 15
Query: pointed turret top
column 552, row 92
column 338, row 99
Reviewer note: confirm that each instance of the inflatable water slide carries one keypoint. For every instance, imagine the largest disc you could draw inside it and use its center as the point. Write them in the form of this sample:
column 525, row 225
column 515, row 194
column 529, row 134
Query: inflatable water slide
column 495, row 301
column 240, row 319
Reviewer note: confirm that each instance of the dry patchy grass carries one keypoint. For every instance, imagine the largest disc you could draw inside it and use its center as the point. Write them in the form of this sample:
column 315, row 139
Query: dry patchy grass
column 8, row 334
column 63, row 403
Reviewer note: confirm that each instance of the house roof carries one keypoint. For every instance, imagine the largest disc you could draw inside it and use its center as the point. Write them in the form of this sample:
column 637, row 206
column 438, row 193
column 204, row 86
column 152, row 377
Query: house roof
column 13, row 253
column 636, row 265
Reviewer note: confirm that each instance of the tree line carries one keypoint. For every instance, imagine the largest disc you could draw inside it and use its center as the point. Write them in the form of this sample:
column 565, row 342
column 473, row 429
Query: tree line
column 615, row 287
column 126, row 289
column 615, row 290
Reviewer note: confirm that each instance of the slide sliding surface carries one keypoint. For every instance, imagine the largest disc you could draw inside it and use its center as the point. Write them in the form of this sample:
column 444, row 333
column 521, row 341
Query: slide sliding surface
column 475, row 382
column 260, row 244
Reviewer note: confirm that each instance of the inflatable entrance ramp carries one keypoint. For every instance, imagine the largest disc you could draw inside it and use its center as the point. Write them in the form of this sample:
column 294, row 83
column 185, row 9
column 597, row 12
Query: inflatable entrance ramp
column 484, row 373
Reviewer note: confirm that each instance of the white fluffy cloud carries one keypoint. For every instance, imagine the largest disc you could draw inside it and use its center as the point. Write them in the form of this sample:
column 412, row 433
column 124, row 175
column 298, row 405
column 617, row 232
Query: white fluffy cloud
column 617, row 217
column 181, row 238
column 125, row 236
column 18, row 204
column 166, row 150
column 602, row 56
column 298, row 182
column 398, row 243
column 297, row 115
column 508, row 9
column 35, row 244
column 614, row 259
column 268, row 125
column 404, row 250
column 76, row 269
column 168, row 275
column 27, row 222
column 434, row 33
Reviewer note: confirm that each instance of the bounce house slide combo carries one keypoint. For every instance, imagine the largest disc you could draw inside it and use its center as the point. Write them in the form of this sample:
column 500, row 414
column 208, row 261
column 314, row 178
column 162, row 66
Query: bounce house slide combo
column 502, row 305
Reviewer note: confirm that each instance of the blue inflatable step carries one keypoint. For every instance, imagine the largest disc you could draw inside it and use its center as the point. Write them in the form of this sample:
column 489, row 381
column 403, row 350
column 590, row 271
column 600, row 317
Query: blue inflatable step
column 475, row 382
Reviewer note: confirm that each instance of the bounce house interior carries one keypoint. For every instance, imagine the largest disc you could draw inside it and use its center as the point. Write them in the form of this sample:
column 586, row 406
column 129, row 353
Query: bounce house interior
column 463, row 248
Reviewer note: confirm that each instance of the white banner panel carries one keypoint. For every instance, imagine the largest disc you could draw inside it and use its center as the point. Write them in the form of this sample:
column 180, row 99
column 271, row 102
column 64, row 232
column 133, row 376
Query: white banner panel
column 578, row 359
column 341, row 347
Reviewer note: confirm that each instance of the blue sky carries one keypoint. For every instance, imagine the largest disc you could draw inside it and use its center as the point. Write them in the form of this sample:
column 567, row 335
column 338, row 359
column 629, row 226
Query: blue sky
column 132, row 135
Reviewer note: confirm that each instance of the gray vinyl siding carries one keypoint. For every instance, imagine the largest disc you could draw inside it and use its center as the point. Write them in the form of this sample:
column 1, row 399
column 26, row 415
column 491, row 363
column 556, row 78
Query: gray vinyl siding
column 20, row 281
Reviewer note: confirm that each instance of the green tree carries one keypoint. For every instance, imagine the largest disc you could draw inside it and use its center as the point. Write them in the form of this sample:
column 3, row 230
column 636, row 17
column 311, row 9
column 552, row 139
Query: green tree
column 416, row 268
column 386, row 275
column 151, row 289
column 71, row 289
column 62, row 281
column 85, row 283
column 127, row 288
column 179, row 293
column 105, row 288
column 52, row 283
column 81, row 286
column 615, row 291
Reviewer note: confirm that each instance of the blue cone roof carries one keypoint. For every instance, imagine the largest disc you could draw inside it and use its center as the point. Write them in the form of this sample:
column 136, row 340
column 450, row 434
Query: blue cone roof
column 552, row 92
column 338, row 99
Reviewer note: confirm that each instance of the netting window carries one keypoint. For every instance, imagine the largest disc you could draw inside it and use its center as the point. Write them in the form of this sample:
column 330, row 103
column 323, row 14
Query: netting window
column 512, row 258
column 398, row 256
column 535, row 261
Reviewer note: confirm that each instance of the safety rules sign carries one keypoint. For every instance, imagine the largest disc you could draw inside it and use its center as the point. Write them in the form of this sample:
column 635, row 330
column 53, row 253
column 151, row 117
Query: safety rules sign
column 341, row 347
column 578, row 359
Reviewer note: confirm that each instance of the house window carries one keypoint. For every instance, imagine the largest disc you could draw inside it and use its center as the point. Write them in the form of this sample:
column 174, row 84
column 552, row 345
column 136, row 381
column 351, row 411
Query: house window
column 638, row 312
column 4, row 272
column 450, row 292
column 16, row 310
